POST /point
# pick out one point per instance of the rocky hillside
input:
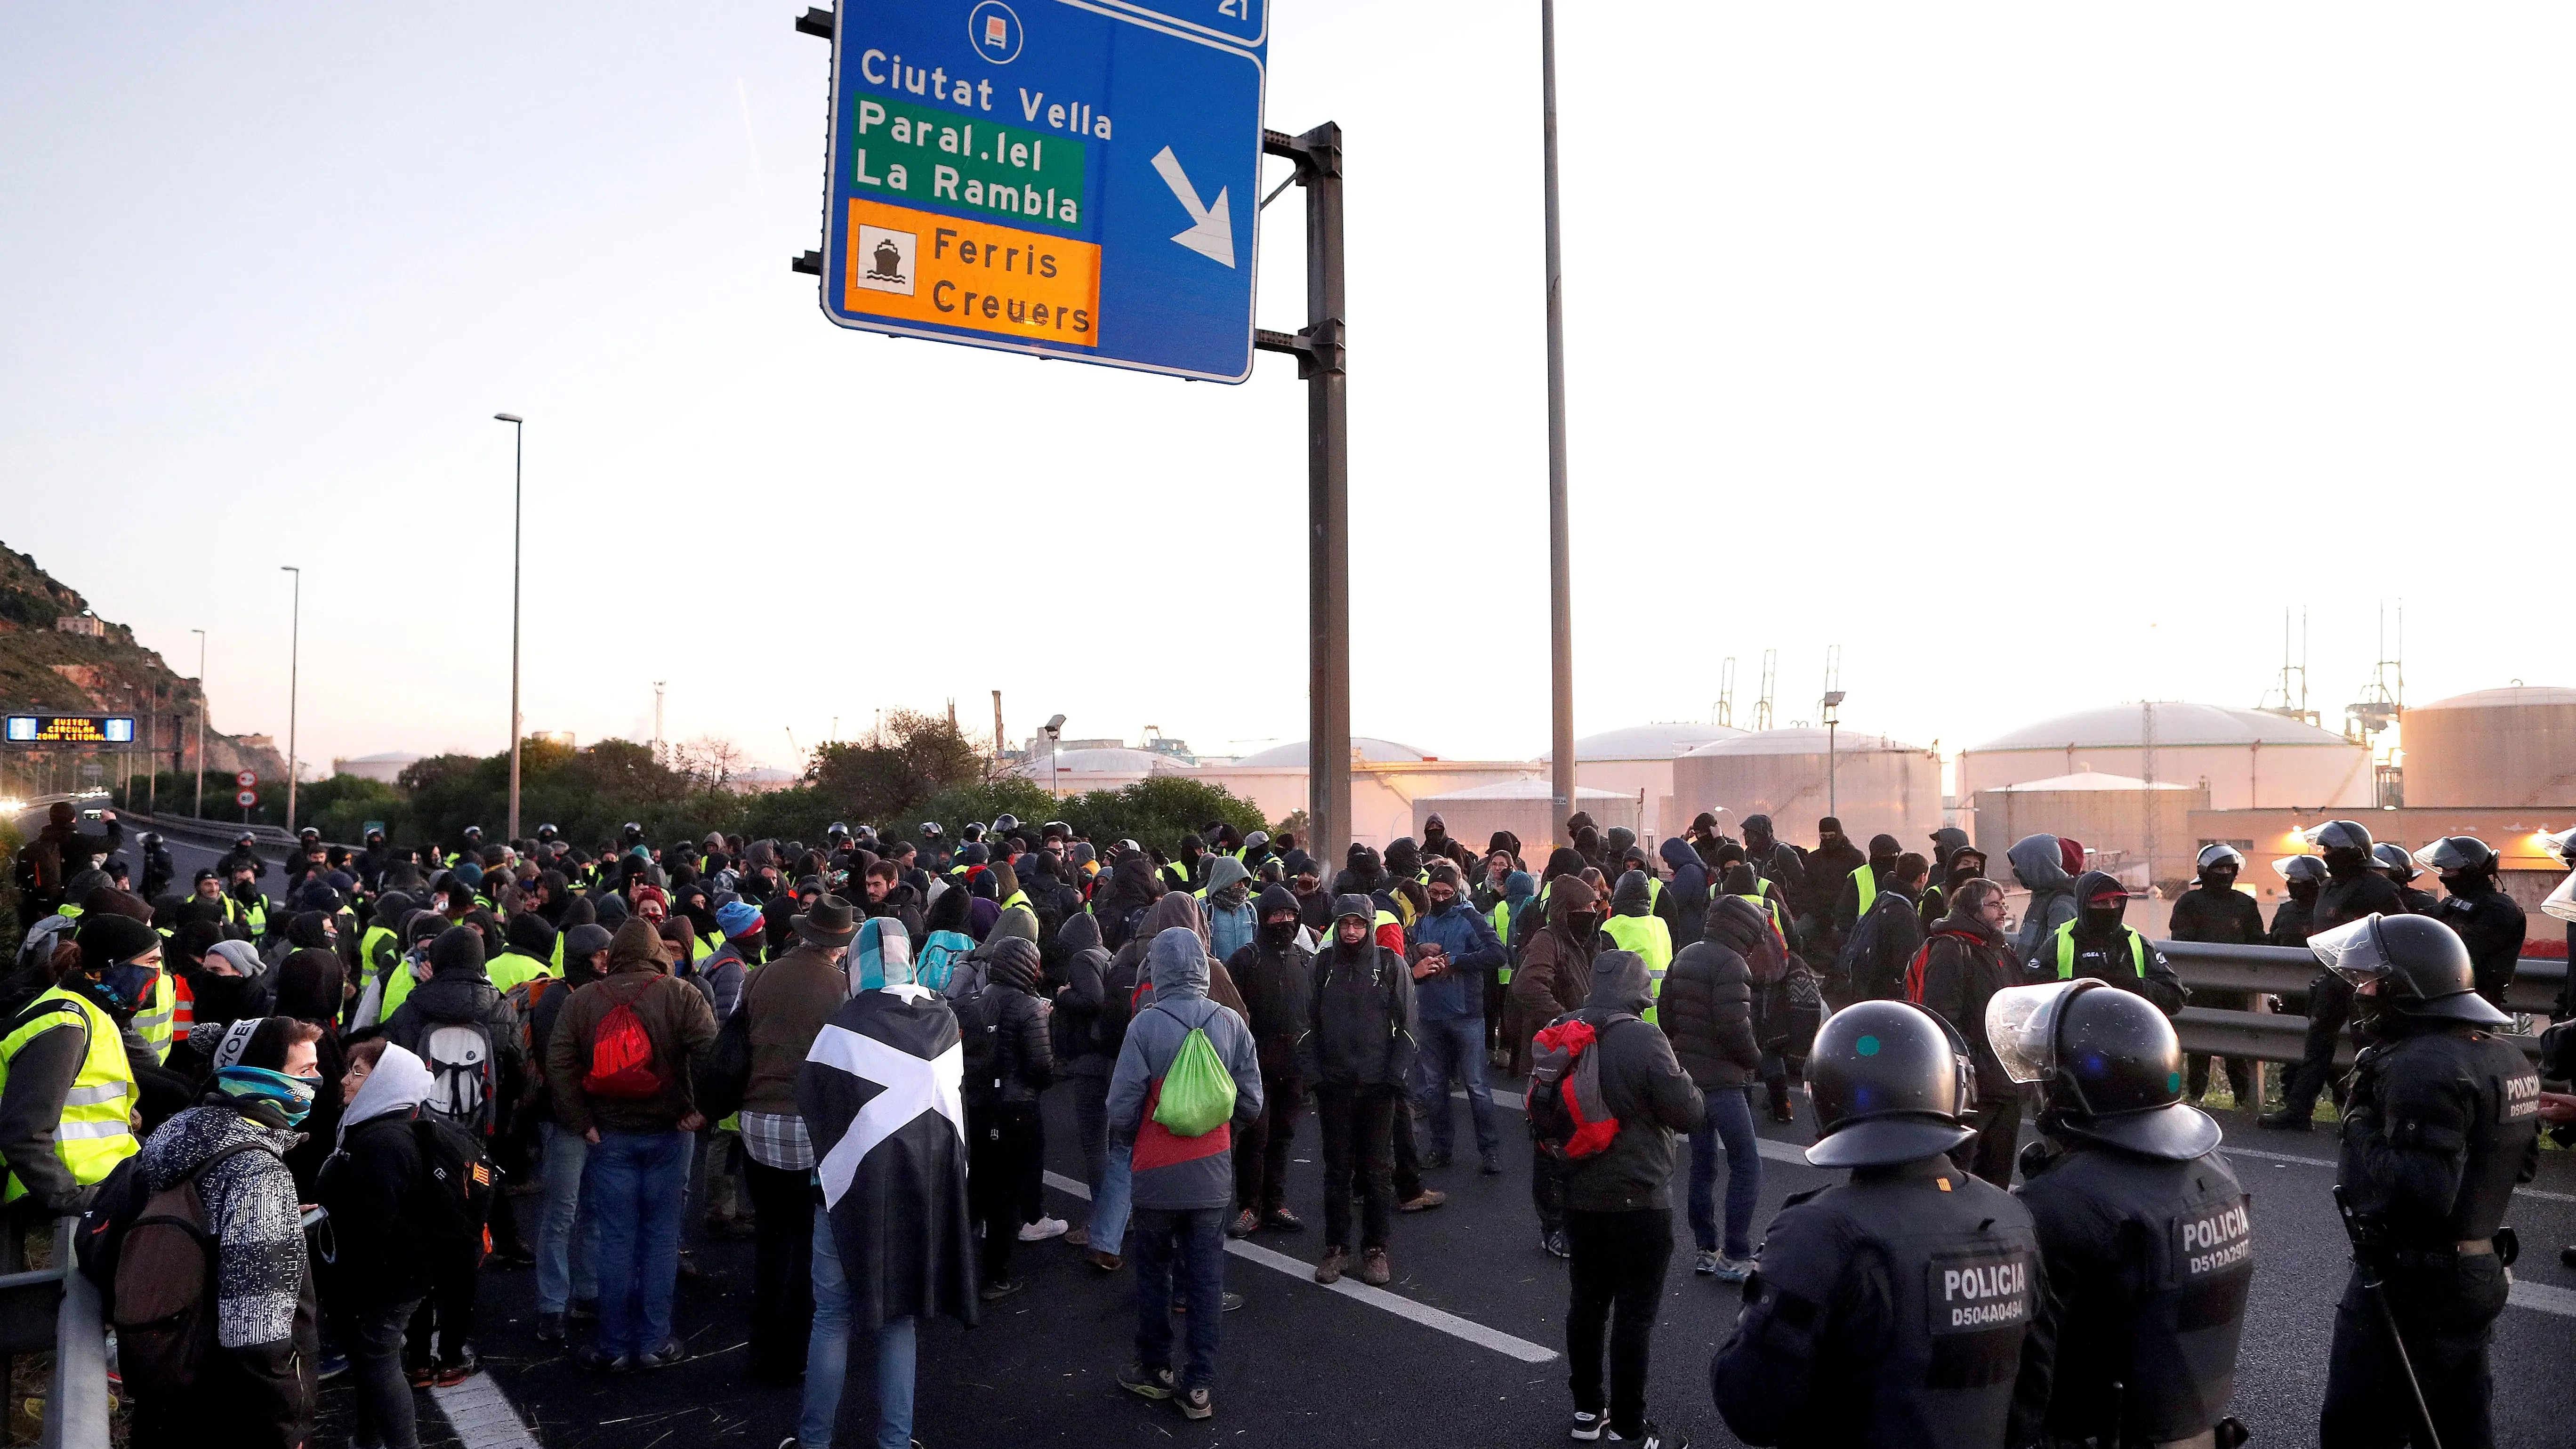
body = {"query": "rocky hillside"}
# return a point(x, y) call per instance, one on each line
point(47, 670)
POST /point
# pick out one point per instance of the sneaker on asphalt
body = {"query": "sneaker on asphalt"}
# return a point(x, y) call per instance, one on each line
point(1733, 1270)
point(1105, 1262)
point(996, 1292)
point(1492, 1166)
point(457, 1370)
point(1555, 1244)
point(1587, 1427)
point(331, 1367)
point(1649, 1437)
point(2283, 1122)
point(1329, 1270)
point(1423, 1201)
point(1195, 1404)
point(550, 1328)
point(1282, 1220)
point(1226, 1303)
point(1145, 1383)
point(1434, 1158)
point(671, 1352)
point(1079, 1237)
point(1374, 1270)
point(1705, 1262)
point(1245, 1224)
point(592, 1357)
point(1042, 1229)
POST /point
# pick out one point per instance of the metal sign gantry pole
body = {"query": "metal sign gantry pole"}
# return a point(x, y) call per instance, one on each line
point(1321, 356)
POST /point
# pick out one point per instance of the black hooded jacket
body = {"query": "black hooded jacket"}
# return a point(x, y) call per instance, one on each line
point(1275, 975)
point(1087, 1035)
point(2115, 954)
point(1707, 1007)
point(1023, 1058)
point(1644, 1087)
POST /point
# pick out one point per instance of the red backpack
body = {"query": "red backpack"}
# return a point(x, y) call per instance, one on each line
point(1569, 1118)
point(621, 1056)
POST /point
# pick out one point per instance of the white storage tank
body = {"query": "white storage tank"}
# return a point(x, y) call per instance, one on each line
point(1879, 785)
point(1638, 759)
point(2250, 758)
point(2496, 747)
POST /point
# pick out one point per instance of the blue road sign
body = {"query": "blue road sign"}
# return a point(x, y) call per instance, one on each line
point(1059, 177)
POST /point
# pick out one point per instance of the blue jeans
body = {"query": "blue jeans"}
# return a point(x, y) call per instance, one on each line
point(1183, 1251)
point(1730, 1119)
point(637, 1183)
point(568, 1236)
point(1455, 1049)
point(827, 1356)
point(1117, 1189)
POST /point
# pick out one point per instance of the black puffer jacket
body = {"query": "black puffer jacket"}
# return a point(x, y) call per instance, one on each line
point(1087, 1034)
point(1707, 1010)
point(1023, 1058)
point(1965, 962)
point(1359, 1014)
point(1274, 974)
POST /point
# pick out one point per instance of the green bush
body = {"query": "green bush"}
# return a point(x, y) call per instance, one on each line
point(1156, 812)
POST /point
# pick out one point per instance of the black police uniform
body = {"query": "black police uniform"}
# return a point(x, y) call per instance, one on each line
point(2341, 901)
point(2418, 903)
point(2224, 916)
point(2148, 1264)
point(1896, 1309)
point(2489, 923)
point(2442, 1121)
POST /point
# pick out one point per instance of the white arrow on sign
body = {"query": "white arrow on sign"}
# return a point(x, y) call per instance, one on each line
point(1211, 232)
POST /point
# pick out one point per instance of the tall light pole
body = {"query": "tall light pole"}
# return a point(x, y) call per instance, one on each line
point(294, 667)
point(1833, 722)
point(1560, 547)
point(200, 810)
point(518, 465)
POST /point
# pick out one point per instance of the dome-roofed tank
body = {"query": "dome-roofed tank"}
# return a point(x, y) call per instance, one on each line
point(2503, 747)
point(2250, 757)
point(1878, 784)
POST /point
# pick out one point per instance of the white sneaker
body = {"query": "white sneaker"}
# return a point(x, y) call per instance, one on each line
point(1587, 1427)
point(1042, 1229)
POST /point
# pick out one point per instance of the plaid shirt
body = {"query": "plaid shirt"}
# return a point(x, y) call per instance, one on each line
point(778, 1140)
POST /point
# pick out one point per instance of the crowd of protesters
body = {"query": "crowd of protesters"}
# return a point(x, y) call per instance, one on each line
point(585, 1062)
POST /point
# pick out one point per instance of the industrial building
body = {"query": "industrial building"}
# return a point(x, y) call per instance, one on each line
point(1526, 808)
point(1796, 776)
point(2137, 831)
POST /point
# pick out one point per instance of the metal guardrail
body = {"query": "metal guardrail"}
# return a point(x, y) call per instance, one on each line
point(2285, 972)
point(57, 1309)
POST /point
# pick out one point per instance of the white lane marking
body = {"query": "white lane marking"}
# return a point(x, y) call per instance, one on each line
point(1788, 1152)
point(2233, 1150)
point(2561, 1301)
point(1395, 1303)
point(482, 1416)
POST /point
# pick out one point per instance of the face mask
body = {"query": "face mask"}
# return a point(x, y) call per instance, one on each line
point(1277, 933)
point(291, 1097)
point(1962, 874)
point(2102, 920)
point(2219, 880)
point(124, 987)
point(2463, 884)
point(2304, 892)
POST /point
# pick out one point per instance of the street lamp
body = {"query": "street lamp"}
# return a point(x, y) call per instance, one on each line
point(518, 473)
point(294, 666)
point(1054, 731)
point(1560, 547)
point(200, 811)
point(1833, 709)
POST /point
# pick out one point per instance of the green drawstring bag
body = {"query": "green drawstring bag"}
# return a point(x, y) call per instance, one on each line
point(1198, 1092)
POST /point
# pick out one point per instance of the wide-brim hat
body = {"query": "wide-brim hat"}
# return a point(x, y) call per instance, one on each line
point(832, 922)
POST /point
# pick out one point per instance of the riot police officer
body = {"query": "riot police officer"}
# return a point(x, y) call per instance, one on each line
point(2147, 1236)
point(158, 867)
point(2441, 1122)
point(2400, 868)
point(2485, 918)
point(2302, 876)
point(1898, 1308)
point(2354, 888)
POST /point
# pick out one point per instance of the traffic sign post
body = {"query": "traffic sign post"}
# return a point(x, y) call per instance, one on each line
point(246, 779)
point(1057, 177)
point(246, 799)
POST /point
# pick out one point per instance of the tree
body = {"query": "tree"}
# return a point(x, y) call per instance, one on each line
point(1158, 811)
point(906, 760)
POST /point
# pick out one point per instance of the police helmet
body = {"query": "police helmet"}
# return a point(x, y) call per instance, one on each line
point(2342, 836)
point(2391, 857)
point(2108, 1060)
point(376, 836)
point(308, 833)
point(2213, 856)
point(2296, 868)
point(972, 832)
point(547, 833)
point(2562, 844)
point(2562, 901)
point(1057, 829)
point(1126, 847)
point(1889, 1081)
point(2458, 855)
point(631, 830)
point(930, 830)
point(474, 832)
point(1005, 823)
point(2419, 966)
point(244, 838)
point(151, 840)
point(836, 828)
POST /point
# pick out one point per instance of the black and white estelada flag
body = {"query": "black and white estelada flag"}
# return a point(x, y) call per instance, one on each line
point(881, 1096)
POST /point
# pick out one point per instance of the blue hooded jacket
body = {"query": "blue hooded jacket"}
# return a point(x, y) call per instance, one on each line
point(1688, 889)
point(1474, 952)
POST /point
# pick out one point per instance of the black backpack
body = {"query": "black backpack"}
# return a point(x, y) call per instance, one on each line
point(462, 1179)
point(979, 1029)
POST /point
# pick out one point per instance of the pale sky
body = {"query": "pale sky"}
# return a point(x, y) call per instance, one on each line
point(2038, 355)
